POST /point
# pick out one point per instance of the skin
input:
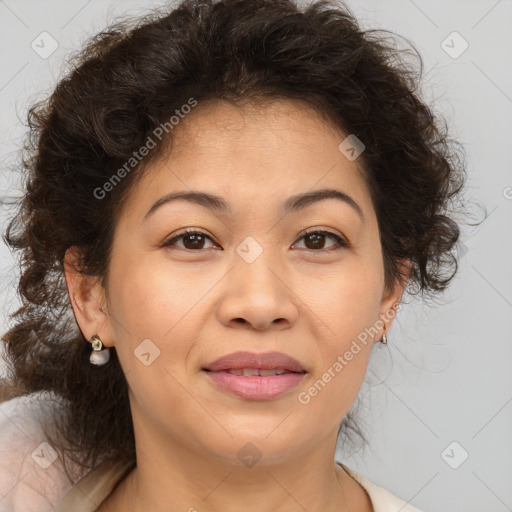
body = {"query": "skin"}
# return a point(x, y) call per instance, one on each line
point(196, 305)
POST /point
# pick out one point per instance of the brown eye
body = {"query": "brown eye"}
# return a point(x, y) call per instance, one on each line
point(192, 240)
point(315, 240)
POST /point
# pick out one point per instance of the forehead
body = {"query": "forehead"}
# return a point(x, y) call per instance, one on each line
point(257, 152)
point(285, 125)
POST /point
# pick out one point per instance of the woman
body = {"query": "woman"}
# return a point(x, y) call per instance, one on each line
point(227, 201)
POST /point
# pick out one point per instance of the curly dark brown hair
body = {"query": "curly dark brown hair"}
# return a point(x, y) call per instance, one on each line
point(128, 80)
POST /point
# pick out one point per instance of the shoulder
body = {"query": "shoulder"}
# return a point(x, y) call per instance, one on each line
point(32, 475)
point(382, 500)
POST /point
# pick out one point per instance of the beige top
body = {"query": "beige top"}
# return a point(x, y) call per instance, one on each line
point(94, 488)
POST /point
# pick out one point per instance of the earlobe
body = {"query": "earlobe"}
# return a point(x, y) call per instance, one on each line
point(87, 299)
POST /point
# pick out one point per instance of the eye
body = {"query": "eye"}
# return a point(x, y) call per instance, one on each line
point(192, 239)
point(315, 240)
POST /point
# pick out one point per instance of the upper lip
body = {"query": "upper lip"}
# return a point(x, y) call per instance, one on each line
point(262, 361)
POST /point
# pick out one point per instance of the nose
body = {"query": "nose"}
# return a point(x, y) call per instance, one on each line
point(258, 297)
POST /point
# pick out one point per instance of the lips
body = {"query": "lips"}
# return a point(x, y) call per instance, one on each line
point(256, 372)
point(255, 364)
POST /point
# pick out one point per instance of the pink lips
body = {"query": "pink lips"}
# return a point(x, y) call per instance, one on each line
point(258, 387)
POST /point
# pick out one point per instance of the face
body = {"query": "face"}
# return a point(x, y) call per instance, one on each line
point(306, 282)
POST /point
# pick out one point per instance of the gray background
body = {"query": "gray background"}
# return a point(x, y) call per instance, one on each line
point(445, 376)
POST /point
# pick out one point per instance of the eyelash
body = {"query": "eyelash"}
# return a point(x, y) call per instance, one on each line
point(343, 244)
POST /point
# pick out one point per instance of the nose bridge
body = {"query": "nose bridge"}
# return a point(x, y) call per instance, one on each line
point(256, 291)
point(257, 266)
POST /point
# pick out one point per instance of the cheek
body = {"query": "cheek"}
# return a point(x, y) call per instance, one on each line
point(346, 306)
point(155, 324)
point(330, 392)
point(347, 300)
point(151, 295)
point(152, 309)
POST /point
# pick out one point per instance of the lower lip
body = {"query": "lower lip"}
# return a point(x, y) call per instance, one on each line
point(255, 387)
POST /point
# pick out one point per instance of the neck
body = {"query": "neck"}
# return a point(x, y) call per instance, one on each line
point(312, 484)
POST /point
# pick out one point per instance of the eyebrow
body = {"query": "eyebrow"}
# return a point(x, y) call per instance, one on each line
point(292, 204)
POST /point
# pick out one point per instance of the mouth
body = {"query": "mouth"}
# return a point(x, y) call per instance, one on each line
point(254, 372)
point(252, 364)
point(255, 376)
point(255, 387)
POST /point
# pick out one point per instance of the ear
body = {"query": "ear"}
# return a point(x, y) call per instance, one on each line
point(391, 298)
point(88, 299)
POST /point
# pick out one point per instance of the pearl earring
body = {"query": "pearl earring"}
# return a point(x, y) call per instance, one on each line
point(384, 339)
point(98, 357)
